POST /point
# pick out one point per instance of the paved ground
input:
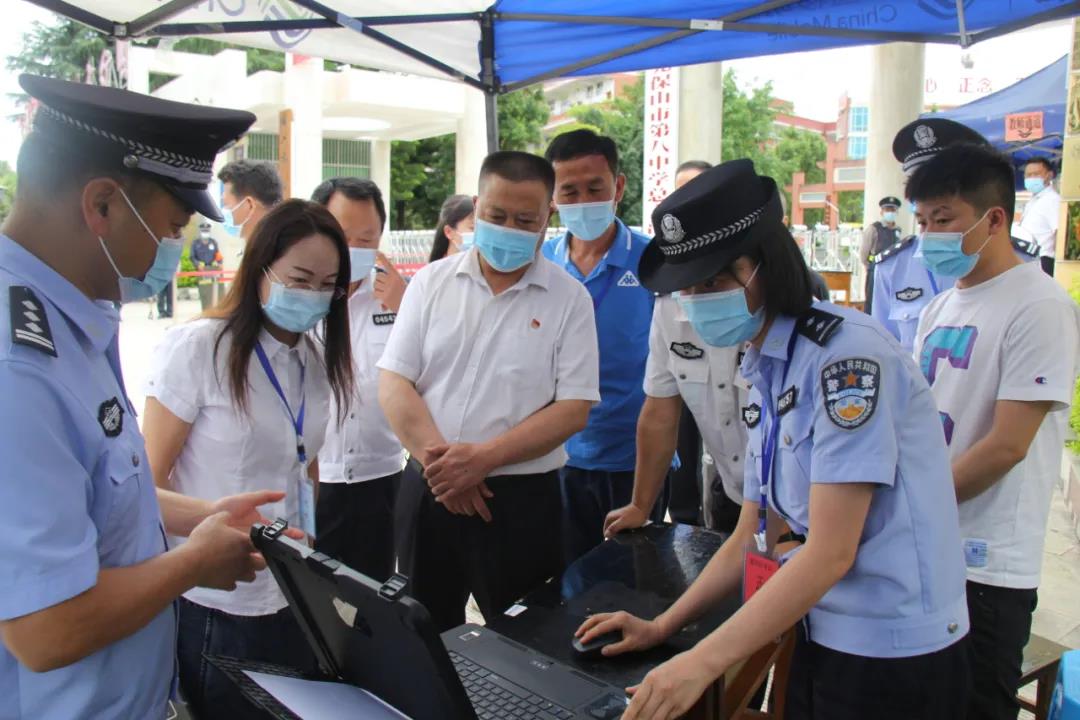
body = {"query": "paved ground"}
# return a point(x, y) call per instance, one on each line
point(1057, 617)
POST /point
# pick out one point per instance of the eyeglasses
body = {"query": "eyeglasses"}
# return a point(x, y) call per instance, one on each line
point(337, 293)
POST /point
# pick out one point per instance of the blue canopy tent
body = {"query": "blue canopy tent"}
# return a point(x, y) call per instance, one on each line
point(1042, 92)
point(510, 44)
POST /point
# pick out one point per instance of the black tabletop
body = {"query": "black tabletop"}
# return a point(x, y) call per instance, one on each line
point(641, 571)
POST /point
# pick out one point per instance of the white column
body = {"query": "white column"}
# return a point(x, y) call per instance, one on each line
point(896, 98)
point(471, 145)
point(304, 96)
point(701, 111)
point(380, 172)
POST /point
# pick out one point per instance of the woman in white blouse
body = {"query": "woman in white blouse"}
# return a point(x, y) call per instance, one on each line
point(240, 400)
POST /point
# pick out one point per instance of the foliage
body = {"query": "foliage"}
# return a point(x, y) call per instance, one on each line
point(522, 115)
point(186, 266)
point(7, 189)
point(1074, 412)
point(422, 172)
point(623, 120)
point(749, 132)
point(851, 207)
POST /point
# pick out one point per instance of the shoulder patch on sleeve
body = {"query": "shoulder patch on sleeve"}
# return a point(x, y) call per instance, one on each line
point(893, 249)
point(29, 323)
point(1025, 247)
point(850, 388)
point(819, 325)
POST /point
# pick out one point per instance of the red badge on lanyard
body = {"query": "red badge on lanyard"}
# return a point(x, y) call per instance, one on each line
point(757, 569)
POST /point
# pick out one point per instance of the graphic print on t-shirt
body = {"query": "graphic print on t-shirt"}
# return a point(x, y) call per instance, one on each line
point(953, 343)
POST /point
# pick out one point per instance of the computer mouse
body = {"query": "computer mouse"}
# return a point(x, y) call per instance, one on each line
point(591, 650)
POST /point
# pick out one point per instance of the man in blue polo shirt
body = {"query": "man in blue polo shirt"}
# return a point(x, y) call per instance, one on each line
point(603, 253)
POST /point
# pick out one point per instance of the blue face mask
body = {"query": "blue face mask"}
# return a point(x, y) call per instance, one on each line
point(588, 221)
point(468, 239)
point(230, 222)
point(361, 260)
point(505, 249)
point(722, 319)
point(1034, 185)
point(295, 309)
point(161, 271)
point(889, 216)
point(943, 252)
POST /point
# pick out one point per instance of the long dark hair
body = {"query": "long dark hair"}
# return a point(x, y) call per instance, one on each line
point(281, 228)
point(454, 210)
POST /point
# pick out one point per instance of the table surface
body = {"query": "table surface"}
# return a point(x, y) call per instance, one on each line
point(641, 571)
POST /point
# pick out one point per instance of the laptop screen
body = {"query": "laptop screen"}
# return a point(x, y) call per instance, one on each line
point(363, 633)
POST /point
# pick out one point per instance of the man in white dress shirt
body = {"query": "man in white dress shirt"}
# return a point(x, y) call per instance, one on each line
point(1041, 214)
point(361, 460)
point(492, 364)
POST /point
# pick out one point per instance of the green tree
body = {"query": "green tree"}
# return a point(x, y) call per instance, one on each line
point(851, 206)
point(59, 50)
point(623, 120)
point(522, 115)
point(7, 189)
point(422, 172)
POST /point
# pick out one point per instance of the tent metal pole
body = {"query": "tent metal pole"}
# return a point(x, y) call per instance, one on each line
point(240, 26)
point(489, 80)
point(77, 14)
point(358, 26)
point(156, 16)
point(673, 23)
point(961, 24)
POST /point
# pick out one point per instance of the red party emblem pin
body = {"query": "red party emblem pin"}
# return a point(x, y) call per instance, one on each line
point(535, 324)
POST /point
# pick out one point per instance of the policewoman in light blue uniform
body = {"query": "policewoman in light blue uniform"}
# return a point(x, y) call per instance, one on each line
point(843, 447)
point(903, 285)
point(107, 179)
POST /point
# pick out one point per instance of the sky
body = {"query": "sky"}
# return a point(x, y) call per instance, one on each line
point(814, 82)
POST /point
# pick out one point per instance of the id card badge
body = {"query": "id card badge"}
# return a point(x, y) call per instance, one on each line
point(758, 567)
point(306, 498)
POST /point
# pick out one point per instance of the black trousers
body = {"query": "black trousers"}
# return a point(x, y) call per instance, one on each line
point(210, 693)
point(1000, 628)
point(164, 302)
point(684, 502)
point(355, 524)
point(447, 556)
point(826, 684)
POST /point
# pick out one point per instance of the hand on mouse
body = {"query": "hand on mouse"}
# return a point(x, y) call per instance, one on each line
point(637, 634)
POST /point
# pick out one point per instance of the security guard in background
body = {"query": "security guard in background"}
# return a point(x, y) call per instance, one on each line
point(107, 181)
point(844, 447)
point(877, 236)
point(902, 283)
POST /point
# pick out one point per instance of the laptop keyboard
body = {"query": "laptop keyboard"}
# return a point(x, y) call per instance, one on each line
point(494, 697)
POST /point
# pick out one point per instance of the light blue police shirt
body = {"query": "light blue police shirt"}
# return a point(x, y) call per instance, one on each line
point(857, 409)
point(623, 316)
point(903, 286)
point(77, 494)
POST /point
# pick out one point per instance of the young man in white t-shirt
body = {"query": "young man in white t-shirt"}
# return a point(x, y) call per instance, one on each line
point(999, 351)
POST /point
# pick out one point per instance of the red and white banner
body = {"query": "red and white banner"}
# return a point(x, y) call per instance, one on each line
point(661, 155)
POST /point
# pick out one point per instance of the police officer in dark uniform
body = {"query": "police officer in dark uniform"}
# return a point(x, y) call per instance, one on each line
point(205, 255)
point(876, 237)
point(107, 181)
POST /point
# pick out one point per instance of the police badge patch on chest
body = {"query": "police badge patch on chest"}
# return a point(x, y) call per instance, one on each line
point(687, 351)
point(850, 388)
point(111, 417)
point(386, 318)
point(786, 401)
point(909, 293)
point(751, 415)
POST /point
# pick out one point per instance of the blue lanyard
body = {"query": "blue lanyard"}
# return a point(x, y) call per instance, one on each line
point(297, 420)
point(933, 282)
point(768, 442)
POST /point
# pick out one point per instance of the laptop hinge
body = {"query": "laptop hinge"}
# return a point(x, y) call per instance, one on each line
point(394, 588)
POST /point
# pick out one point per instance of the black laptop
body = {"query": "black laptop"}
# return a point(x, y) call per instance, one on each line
point(377, 638)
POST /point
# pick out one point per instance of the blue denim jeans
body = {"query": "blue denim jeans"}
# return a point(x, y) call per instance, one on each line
point(208, 692)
